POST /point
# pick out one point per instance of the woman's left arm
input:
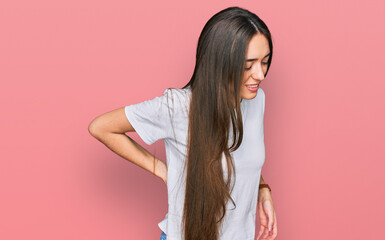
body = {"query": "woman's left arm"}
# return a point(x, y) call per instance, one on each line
point(267, 216)
point(261, 181)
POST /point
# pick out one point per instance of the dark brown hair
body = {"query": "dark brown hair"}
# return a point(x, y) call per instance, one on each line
point(220, 57)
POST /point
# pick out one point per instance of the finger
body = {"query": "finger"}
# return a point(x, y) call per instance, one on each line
point(275, 227)
point(266, 230)
point(262, 231)
point(263, 221)
point(269, 217)
point(265, 233)
point(273, 233)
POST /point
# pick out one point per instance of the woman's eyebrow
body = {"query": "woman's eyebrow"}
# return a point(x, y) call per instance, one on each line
point(253, 59)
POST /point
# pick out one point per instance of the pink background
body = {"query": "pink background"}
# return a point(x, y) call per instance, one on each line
point(62, 63)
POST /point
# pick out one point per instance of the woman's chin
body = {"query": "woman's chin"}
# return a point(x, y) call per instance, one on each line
point(249, 96)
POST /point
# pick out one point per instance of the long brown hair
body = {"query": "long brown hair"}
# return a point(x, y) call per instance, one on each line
point(220, 57)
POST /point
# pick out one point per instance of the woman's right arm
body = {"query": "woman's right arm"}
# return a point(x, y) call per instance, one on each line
point(110, 128)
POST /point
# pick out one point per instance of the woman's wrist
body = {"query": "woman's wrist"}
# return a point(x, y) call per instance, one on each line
point(160, 170)
point(264, 186)
point(264, 194)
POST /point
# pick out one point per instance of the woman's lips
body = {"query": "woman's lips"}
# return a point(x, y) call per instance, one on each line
point(252, 87)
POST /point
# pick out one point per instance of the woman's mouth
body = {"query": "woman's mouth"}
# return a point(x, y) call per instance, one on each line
point(253, 87)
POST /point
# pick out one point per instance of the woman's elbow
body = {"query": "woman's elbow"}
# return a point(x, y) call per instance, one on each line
point(94, 129)
point(114, 121)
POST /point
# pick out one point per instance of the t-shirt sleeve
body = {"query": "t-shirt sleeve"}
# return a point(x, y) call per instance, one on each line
point(151, 118)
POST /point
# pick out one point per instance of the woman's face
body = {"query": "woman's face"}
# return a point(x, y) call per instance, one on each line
point(255, 67)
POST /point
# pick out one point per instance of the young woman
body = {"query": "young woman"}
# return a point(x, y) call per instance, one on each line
point(213, 134)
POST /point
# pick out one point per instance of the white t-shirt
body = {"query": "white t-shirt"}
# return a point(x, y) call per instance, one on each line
point(166, 117)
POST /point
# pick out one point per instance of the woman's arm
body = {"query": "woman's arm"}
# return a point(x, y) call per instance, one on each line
point(267, 215)
point(110, 129)
point(264, 193)
point(261, 181)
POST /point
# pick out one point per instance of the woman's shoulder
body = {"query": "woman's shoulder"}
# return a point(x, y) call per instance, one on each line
point(181, 93)
point(177, 98)
point(178, 91)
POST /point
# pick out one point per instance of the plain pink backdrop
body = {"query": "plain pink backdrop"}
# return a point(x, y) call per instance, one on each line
point(62, 63)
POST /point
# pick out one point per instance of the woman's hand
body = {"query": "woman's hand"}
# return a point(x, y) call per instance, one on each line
point(267, 216)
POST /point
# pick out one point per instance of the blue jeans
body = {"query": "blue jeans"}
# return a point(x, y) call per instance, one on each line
point(163, 236)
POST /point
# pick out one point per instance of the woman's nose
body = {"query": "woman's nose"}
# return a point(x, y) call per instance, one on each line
point(258, 73)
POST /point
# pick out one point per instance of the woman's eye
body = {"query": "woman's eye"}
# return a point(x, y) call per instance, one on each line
point(263, 63)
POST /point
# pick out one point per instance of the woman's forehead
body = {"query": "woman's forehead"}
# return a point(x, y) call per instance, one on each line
point(258, 48)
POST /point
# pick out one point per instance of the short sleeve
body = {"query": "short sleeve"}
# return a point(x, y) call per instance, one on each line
point(151, 118)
